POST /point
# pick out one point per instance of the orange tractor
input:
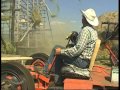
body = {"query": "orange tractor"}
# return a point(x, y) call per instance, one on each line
point(15, 76)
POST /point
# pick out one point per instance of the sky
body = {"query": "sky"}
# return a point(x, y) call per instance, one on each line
point(69, 11)
point(71, 8)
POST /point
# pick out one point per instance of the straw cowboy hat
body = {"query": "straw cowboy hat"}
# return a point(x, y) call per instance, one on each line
point(90, 16)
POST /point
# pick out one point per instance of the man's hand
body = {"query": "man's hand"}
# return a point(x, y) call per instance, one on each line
point(58, 51)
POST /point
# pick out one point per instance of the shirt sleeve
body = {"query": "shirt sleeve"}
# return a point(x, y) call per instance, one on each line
point(79, 47)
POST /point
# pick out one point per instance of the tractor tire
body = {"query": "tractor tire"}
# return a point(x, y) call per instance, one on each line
point(19, 77)
point(38, 58)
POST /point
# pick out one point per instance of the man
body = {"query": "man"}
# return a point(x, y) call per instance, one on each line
point(80, 54)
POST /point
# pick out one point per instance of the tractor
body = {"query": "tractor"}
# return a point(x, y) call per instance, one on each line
point(15, 76)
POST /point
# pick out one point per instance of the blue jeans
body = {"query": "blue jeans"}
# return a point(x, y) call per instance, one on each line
point(51, 57)
point(62, 60)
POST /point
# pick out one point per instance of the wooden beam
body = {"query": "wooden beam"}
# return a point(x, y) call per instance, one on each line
point(15, 58)
point(97, 45)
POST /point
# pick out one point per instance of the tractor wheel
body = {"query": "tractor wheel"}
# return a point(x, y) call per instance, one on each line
point(15, 76)
point(39, 59)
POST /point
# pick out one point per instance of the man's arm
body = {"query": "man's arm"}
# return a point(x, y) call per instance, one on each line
point(79, 47)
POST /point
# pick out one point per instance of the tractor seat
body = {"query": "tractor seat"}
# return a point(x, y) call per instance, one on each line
point(71, 71)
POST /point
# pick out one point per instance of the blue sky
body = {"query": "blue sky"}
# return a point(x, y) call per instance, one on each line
point(70, 9)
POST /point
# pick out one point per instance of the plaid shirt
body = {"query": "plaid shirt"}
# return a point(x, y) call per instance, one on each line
point(85, 44)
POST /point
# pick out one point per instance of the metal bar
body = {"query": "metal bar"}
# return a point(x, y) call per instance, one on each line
point(40, 30)
point(24, 2)
point(24, 12)
point(12, 24)
point(112, 35)
point(116, 59)
point(5, 1)
point(47, 7)
point(107, 32)
point(23, 7)
point(26, 32)
point(6, 10)
point(109, 22)
point(50, 25)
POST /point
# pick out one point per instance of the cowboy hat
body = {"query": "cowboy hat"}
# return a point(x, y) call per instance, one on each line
point(90, 16)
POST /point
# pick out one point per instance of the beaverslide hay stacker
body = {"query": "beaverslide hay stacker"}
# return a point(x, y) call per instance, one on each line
point(15, 76)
